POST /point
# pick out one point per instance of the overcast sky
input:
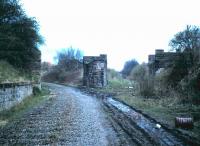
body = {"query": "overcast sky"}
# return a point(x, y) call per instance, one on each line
point(122, 29)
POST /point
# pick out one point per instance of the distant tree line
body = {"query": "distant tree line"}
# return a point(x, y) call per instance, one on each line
point(19, 35)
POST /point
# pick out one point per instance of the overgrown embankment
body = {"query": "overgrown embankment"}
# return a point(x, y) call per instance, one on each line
point(20, 58)
point(9, 74)
point(163, 110)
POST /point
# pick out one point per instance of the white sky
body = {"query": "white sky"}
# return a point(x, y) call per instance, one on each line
point(122, 29)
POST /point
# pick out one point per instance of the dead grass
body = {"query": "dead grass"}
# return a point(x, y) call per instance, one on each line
point(71, 78)
point(164, 110)
point(9, 74)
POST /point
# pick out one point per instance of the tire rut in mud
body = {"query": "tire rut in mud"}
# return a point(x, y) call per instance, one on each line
point(128, 132)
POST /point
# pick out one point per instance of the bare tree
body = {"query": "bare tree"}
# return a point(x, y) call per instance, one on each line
point(69, 59)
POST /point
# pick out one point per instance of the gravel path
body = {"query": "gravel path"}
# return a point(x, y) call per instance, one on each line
point(69, 118)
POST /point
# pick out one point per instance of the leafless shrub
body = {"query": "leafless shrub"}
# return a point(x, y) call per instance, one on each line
point(144, 82)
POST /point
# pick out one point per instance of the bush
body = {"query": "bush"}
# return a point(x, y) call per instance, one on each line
point(196, 98)
point(36, 91)
point(179, 70)
point(161, 86)
point(145, 82)
point(194, 87)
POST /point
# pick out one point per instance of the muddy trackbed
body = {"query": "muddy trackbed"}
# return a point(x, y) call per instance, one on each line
point(71, 117)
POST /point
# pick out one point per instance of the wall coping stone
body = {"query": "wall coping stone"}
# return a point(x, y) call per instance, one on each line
point(8, 85)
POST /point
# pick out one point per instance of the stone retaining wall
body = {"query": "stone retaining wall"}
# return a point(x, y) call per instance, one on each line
point(13, 93)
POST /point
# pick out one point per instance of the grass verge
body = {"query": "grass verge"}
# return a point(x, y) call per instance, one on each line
point(25, 105)
point(164, 110)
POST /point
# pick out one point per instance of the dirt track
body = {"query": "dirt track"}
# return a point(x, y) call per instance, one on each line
point(73, 118)
point(69, 118)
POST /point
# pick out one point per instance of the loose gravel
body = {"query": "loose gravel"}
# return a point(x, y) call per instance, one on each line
point(68, 118)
